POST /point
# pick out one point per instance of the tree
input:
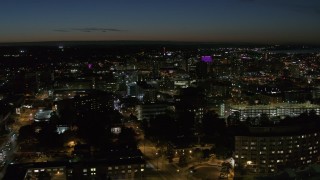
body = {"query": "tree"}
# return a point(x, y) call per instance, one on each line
point(67, 114)
point(182, 160)
point(94, 127)
point(48, 136)
point(43, 175)
point(234, 118)
point(212, 125)
point(26, 133)
point(250, 121)
point(198, 154)
point(170, 155)
point(54, 117)
point(264, 120)
point(206, 153)
point(186, 122)
point(163, 127)
point(133, 118)
point(127, 137)
point(227, 166)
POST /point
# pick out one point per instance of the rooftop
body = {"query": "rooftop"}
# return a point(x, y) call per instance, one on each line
point(43, 115)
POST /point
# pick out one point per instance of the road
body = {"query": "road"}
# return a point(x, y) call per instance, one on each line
point(9, 146)
point(206, 172)
point(162, 169)
point(8, 149)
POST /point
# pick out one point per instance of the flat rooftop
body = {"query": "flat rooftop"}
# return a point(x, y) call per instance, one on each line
point(43, 115)
point(276, 106)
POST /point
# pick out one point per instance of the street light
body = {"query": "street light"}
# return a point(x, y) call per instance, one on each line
point(157, 161)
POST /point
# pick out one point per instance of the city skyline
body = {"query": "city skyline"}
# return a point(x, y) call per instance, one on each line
point(127, 110)
point(252, 21)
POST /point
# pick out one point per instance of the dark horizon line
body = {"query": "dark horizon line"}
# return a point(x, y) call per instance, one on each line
point(132, 42)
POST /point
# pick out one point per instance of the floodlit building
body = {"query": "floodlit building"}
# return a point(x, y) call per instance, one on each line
point(43, 115)
point(284, 109)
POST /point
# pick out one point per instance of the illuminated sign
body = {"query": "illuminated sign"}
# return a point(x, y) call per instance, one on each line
point(206, 59)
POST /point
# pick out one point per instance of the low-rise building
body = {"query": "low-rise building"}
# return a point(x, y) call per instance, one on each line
point(43, 115)
point(282, 109)
point(148, 111)
point(115, 166)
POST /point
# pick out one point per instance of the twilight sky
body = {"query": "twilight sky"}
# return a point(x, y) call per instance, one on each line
point(264, 21)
